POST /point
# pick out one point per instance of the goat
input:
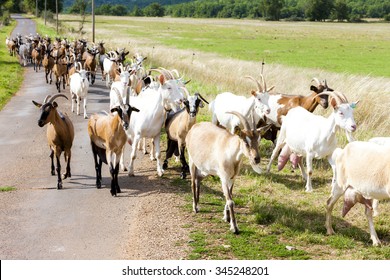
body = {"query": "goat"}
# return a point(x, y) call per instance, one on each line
point(24, 53)
point(314, 136)
point(60, 134)
point(79, 89)
point(36, 58)
point(110, 64)
point(212, 150)
point(11, 45)
point(101, 56)
point(60, 71)
point(48, 64)
point(107, 134)
point(148, 123)
point(89, 58)
point(255, 106)
point(362, 173)
point(280, 104)
point(177, 126)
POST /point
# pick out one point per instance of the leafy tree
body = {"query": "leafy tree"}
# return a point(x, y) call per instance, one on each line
point(79, 7)
point(341, 11)
point(154, 10)
point(29, 5)
point(118, 10)
point(272, 9)
point(319, 10)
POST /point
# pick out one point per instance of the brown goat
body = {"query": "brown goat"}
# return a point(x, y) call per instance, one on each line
point(60, 134)
point(107, 134)
point(60, 70)
point(48, 64)
point(89, 58)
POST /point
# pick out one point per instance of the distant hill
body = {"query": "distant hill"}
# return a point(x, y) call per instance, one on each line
point(130, 3)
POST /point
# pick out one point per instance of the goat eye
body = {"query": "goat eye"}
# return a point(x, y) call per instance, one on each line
point(341, 113)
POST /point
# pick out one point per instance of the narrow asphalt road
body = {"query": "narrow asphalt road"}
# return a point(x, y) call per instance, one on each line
point(37, 221)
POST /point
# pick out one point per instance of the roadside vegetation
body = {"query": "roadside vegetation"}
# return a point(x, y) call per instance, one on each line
point(11, 73)
point(277, 219)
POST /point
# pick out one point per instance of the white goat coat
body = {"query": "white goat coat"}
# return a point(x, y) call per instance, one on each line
point(227, 102)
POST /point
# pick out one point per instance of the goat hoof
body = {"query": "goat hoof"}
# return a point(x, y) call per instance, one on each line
point(53, 173)
point(98, 185)
point(165, 165)
point(59, 186)
point(113, 193)
point(183, 175)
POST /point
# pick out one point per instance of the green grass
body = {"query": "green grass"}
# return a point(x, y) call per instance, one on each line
point(7, 189)
point(11, 73)
point(336, 47)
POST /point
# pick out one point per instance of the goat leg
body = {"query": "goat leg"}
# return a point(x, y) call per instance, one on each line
point(52, 163)
point(59, 181)
point(184, 166)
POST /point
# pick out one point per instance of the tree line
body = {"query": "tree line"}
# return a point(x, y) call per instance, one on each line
point(314, 10)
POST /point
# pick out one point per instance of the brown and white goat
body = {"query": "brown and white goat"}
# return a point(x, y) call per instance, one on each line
point(107, 134)
point(60, 134)
point(213, 150)
point(280, 104)
point(48, 64)
point(177, 126)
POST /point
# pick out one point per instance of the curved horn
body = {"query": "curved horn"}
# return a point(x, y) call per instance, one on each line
point(80, 65)
point(244, 122)
point(186, 91)
point(339, 97)
point(316, 80)
point(201, 97)
point(55, 97)
point(46, 98)
point(118, 94)
point(256, 81)
point(264, 84)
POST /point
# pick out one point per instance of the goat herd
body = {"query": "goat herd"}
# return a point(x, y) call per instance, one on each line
point(141, 104)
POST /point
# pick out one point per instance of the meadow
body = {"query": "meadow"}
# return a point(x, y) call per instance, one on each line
point(11, 74)
point(277, 219)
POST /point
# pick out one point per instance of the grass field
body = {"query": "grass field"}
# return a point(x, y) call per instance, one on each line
point(11, 73)
point(273, 210)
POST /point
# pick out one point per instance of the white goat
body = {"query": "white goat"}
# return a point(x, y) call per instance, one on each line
point(255, 106)
point(79, 87)
point(314, 136)
point(148, 122)
point(122, 86)
point(362, 174)
point(212, 150)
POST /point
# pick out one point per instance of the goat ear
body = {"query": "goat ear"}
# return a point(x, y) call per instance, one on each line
point(161, 79)
point(55, 105)
point(115, 109)
point(134, 109)
point(253, 92)
point(333, 103)
point(37, 104)
point(314, 88)
point(201, 104)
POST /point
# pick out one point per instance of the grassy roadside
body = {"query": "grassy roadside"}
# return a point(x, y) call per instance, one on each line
point(11, 73)
point(277, 219)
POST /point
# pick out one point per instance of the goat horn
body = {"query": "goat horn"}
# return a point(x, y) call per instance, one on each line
point(316, 80)
point(55, 96)
point(339, 97)
point(46, 98)
point(201, 97)
point(128, 95)
point(264, 84)
point(118, 94)
point(256, 81)
point(244, 122)
point(186, 91)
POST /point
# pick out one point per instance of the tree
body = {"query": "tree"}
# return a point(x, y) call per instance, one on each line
point(154, 10)
point(29, 5)
point(319, 10)
point(341, 10)
point(272, 9)
point(79, 7)
point(118, 10)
